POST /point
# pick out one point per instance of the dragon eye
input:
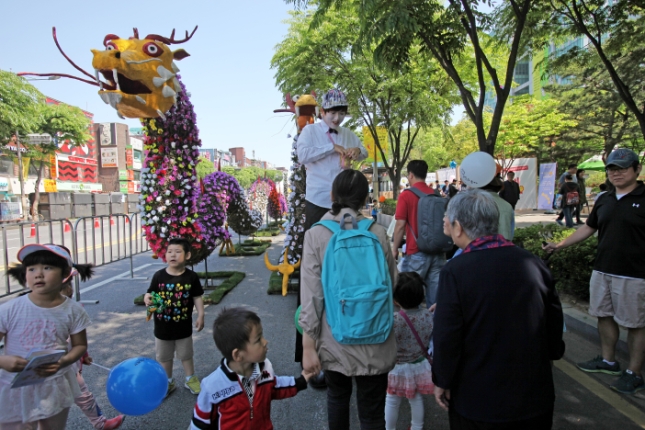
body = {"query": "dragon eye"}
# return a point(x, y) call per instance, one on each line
point(111, 47)
point(152, 49)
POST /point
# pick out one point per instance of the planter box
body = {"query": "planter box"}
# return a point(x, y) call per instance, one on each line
point(384, 220)
point(116, 208)
point(81, 198)
point(100, 199)
point(55, 198)
point(82, 210)
point(101, 209)
point(49, 211)
point(132, 198)
point(116, 197)
point(133, 207)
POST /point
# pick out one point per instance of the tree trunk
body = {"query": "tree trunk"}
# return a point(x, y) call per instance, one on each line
point(34, 206)
point(396, 180)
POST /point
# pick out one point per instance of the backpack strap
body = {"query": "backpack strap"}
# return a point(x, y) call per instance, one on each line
point(424, 349)
point(336, 226)
point(365, 224)
point(333, 226)
point(343, 222)
point(417, 192)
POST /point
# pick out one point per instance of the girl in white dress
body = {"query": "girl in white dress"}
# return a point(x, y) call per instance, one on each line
point(412, 374)
point(41, 320)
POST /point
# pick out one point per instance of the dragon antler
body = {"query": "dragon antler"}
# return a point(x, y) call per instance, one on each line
point(171, 40)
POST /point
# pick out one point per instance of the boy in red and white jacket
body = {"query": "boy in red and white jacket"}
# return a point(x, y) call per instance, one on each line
point(238, 394)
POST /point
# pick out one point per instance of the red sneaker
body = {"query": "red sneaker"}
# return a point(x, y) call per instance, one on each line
point(114, 423)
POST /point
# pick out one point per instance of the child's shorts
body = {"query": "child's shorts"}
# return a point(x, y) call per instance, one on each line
point(166, 349)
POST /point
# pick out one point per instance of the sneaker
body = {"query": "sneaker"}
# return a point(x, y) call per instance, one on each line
point(599, 365)
point(171, 387)
point(629, 383)
point(559, 221)
point(114, 423)
point(193, 385)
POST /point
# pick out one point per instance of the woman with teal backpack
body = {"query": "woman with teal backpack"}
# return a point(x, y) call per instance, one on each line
point(346, 315)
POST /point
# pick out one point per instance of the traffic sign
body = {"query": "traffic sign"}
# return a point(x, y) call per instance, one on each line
point(39, 139)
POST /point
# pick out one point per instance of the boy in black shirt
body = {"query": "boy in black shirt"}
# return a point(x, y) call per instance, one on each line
point(180, 289)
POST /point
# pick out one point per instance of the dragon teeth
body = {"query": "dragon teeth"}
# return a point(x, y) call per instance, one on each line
point(141, 99)
point(115, 74)
point(168, 92)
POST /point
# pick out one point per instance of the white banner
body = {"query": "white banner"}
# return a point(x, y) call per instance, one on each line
point(446, 174)
point(525, 170)
point(431, 178)
point(78, 186)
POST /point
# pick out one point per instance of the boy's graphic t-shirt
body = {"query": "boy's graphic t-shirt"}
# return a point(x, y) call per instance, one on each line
point(177, 292)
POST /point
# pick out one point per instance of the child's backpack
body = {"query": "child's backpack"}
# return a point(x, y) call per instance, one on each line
point(572, 197)
point(430, 211)
point(356, 284)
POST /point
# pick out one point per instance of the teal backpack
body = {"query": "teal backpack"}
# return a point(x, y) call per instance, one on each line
point(356, 284)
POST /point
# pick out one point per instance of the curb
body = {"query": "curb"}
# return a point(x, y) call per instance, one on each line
point(586, 326)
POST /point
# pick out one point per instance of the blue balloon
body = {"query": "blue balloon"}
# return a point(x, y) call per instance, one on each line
point(137, 386)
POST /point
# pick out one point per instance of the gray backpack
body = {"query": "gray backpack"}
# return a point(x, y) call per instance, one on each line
point(430, 211)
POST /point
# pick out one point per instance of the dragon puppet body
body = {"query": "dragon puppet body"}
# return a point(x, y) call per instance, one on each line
point(138, 78)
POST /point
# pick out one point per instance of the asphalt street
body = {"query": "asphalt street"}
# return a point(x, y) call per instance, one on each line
point(119, 331)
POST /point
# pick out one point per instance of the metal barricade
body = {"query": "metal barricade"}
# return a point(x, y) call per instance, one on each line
point(96, 240)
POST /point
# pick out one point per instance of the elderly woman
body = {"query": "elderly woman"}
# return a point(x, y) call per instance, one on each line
point(498, 323)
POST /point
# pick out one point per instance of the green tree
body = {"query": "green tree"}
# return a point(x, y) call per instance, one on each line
point(19, 106)
point(528, 124)
point(452, 32)
point(63, 123)
point(403, 101)
point(204, 167)
point(616, 34)
point(588, 94)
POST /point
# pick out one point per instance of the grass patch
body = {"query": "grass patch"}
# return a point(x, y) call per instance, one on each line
point(248, 247)
point(275, 283)
point(217, 293)
point(267, 232)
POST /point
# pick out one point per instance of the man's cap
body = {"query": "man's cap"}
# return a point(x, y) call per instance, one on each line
point(334, 98)
point(622, 157)
point(30, 249)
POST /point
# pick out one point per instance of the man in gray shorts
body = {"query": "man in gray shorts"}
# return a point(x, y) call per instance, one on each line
point(617, 285)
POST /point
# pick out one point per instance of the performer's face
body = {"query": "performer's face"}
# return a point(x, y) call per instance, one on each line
point(333, 118)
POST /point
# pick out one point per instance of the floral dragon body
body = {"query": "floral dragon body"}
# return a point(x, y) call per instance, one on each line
point(138, 78)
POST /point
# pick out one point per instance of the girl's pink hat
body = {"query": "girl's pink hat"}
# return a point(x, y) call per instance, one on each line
point(34, 247)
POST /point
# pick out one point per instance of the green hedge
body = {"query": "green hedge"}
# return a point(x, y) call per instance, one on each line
point(571, 267)
point(388, 207)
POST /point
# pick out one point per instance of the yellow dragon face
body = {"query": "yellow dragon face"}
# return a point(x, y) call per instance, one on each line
point(140, 74)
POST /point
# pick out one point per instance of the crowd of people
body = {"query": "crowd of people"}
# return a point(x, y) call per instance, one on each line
point(467, 316)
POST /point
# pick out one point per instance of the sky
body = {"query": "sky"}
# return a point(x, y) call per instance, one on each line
point(228, 73)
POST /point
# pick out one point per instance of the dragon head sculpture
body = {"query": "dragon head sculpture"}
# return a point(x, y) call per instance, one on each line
point(138, 74)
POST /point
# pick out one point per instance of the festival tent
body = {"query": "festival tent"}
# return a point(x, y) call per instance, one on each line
point(594, 163)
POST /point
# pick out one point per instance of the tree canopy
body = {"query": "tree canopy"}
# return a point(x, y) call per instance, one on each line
point(616, 34)
point(451, 32)
point(204, 167)
point(402, 101)
point(19, 106)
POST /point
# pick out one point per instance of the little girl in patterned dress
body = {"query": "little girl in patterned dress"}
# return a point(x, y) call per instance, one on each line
point(412, 375)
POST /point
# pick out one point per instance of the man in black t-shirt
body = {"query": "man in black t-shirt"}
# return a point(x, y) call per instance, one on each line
point(511, 190)
point(180, 290)
point(617, 285)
